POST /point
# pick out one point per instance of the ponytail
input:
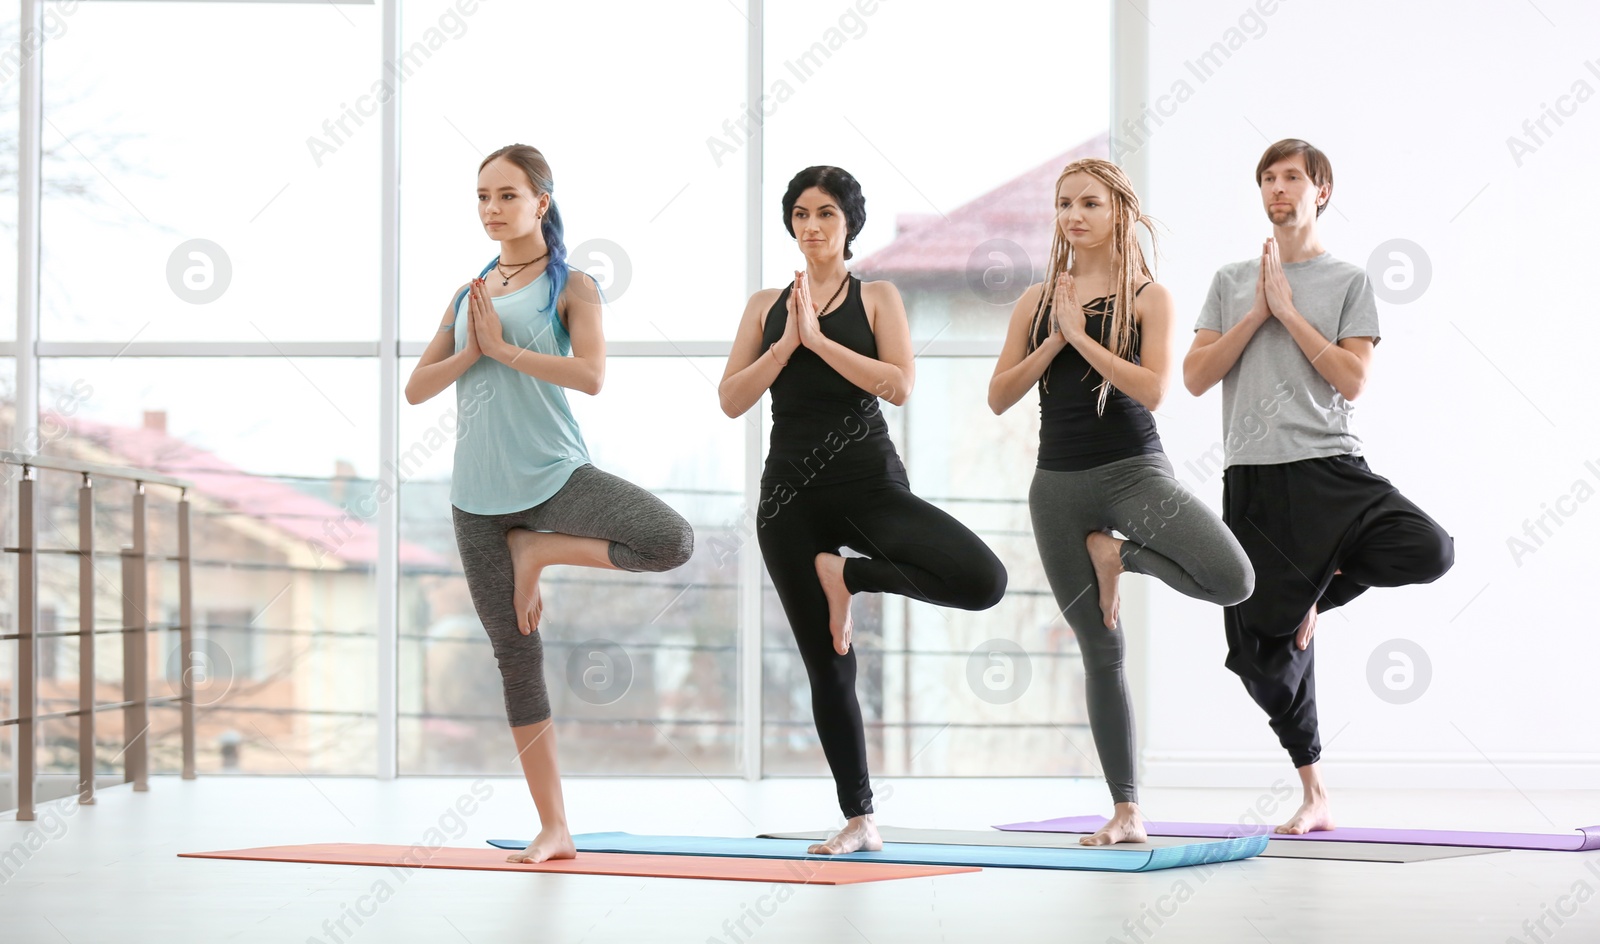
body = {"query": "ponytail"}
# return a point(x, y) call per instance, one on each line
point(555, 240)
point(537, 169)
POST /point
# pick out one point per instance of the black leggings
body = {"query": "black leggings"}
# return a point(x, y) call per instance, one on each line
point(915, 550)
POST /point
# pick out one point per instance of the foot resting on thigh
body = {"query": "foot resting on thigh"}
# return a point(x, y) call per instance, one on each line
point(527, 565)
point(1125, 825)
point(1105, 552)
point(1313, 816)
point(858, 833)
point(553, 842)
point(1308, 626)
point(830, 571)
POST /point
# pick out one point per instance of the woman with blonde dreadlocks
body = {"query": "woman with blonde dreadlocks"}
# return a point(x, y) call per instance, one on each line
point(1102, 366)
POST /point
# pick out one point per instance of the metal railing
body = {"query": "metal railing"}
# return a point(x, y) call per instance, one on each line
point(136, 627)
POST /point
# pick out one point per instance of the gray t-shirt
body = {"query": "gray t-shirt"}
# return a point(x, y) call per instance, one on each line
point(1275, 406)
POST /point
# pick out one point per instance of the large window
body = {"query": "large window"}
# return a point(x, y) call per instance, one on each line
point(955, 126)
point(210, 308)
point(622, 97)
point(204, 217)
point(238, 217)
point(283, 560)
point(641, 668)
point(217, 179)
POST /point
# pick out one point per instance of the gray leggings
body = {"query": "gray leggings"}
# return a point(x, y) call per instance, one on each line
point(645, 535)
point(1171, 535)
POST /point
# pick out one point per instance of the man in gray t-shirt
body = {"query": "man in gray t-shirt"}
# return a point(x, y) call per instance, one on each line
point(1275, 406)
point(1290, 336)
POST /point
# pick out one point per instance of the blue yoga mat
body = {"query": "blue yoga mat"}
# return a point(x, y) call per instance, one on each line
point(908, 853)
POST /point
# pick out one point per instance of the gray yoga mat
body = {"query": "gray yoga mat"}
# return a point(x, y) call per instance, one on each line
point(1279, 849)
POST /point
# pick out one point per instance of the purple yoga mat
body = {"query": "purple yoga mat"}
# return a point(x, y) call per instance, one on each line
point(1582, 840)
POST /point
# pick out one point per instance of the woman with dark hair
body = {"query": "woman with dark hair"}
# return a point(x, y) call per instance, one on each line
point(833, 478)
point(523, 494)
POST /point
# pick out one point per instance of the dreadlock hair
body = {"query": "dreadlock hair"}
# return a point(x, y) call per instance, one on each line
point(1127, 261)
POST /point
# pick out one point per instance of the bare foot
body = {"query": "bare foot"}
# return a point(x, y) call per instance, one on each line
point(1308, 628)
point(1105, 552)
point(830, 571)
point(1125, 825)
point(527, 566)
point(1313, 816)
point(553, 842)
point(858, 833)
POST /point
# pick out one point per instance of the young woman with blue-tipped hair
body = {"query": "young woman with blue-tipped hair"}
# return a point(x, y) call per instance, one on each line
point(524, 495)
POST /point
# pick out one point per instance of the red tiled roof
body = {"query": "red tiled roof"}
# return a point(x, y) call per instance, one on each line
point(1018, 210)
point(303, 518)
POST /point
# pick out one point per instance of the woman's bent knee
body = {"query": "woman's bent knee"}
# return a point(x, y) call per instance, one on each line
point(672, 548)
point(682, 548)
point(1240, 583)
point(664, 548)
point(987, 587)
point(992, 588)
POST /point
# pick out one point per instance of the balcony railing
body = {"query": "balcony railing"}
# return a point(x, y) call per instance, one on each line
point(135, 627)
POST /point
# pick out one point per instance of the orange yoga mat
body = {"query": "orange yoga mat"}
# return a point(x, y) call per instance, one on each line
point(718, 868)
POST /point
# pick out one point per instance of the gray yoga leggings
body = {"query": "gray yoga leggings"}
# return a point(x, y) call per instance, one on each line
point(1171, 535)
point(645, 535)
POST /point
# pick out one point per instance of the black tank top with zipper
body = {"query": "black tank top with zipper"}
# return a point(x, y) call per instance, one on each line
point(825, 429)
point(1072, 436)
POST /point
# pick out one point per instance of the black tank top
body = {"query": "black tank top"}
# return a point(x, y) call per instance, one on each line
point(826, 429)
point(1072, 437)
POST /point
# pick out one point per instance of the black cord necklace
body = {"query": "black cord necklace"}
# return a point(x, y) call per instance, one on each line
point(508, 278)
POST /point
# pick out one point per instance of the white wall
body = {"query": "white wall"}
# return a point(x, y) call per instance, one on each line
point(1481, 407)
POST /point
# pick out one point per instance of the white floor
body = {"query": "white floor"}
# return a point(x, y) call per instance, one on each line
point(110, 873)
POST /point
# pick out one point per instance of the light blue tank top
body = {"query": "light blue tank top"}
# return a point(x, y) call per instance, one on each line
point(516, 439)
